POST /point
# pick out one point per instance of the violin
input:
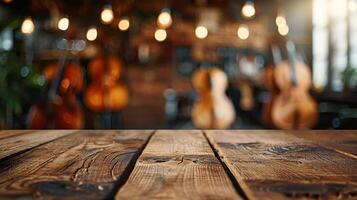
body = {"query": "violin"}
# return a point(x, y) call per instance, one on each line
point(106, 92)
point(213, 109)
point(62, 109)
point(293, 107)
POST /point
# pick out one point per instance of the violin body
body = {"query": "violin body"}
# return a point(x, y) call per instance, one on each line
point(293, 108)
point(213, 109)
point(106, 92)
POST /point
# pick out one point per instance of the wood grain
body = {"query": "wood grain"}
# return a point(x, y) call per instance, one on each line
point(178, 165)
point(341, 141)
point(274, 165)
point(84, 165)
point(11, 133)
point(12, 142)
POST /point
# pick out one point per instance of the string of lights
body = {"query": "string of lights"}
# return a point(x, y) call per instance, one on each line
point(164, 21)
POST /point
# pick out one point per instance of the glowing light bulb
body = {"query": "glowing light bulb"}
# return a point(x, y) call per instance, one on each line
point(201, 32)
point(164, 20)
point(248, 9)
point(107, 14)
point(280, 20)
point(7, 1)
point(243, 32)
point(92, 34)
point(160, 35)
point(27, 26)
point(283, 30)
point(63, 24)
point(124, 24)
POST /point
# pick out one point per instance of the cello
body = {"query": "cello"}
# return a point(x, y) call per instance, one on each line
point(293, 108)
point(62, 109)
point(106, 92)
point(213, 109)
point(271, 87)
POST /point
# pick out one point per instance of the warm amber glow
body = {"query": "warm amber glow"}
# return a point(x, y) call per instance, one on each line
point(107, 15)
point(164, 20)
point(27, 26)
point(201, 32)
point(92, 34)
point(283, 30)
point(160, 35)
point(7, 1)
point(280, 20)
point(65, 83)
point(248, 9)
point(124, 24)
point(63, 24)
point(243, 32)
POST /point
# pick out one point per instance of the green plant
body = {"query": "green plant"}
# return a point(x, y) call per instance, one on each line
point(349, 77)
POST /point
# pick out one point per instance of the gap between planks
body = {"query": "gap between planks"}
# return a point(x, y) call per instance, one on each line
point(126, 173)
point(269, 165)
point(230, 175)
point(178, 165)
point(72, 165)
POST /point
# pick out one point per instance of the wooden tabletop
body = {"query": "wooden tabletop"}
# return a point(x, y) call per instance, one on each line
point(185, 164)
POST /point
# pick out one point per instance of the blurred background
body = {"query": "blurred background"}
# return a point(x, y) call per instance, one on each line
point(179, 64)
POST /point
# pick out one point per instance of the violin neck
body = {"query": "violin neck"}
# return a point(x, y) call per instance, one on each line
point(292, 61)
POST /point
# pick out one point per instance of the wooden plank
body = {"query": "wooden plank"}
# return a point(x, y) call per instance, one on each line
point(16, 141)
point(341, 141)
point(11, 133)
point(274, 165)
point(84, 165)
point(178, 165)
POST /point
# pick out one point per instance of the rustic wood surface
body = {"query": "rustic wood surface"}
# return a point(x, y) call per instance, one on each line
point(12, 142)
point(274, 165)
point(140, 164)
point(83, 165)
point(343, 141)
point(178, 165)
point(11, 133)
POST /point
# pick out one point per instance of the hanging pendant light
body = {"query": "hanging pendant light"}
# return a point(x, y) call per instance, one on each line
point(164, 20)
point(92, 34)
point(107, 14)
point(248, 9)
point(201, 32)
point(27, 26)
point(243, 32)
point(63, 24)
point(280, 19)
point(160, 35)
point(124, 24)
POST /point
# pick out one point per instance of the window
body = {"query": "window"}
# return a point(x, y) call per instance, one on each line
point(334, 41)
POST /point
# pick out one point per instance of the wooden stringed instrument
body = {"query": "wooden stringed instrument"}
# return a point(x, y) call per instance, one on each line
point(247, 76)
point(213, 109)
point(62, 109)
point(271, 87)
point(293, 108)
point(106, 92)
